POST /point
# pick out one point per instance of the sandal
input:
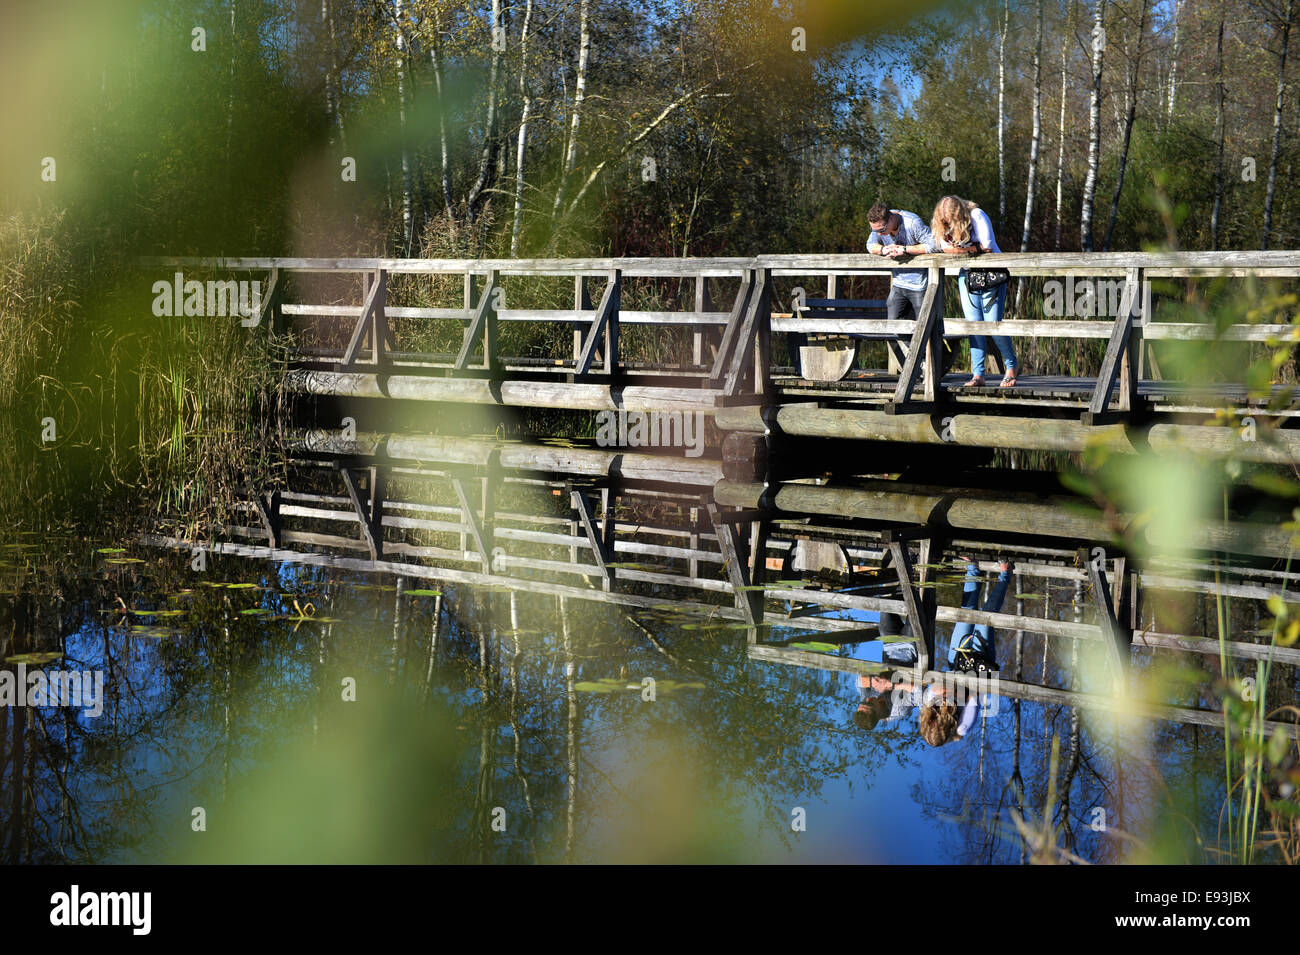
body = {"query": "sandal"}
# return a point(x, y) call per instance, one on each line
point(1010, 378)
point(977, 381)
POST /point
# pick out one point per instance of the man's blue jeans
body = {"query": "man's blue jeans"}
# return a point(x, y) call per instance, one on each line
point(986, 307)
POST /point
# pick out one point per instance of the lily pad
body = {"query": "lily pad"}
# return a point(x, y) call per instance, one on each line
point(607, 685)
point(35, 658)
point(671, 686)
point(150, 630)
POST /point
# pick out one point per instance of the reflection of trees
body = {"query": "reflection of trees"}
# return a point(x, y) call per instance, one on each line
point(1149, 778)
point(192, 718)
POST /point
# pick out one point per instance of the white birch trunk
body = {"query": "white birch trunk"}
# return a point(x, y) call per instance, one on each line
point(1060, 135)
point(435, 59)
point(523, 131)
point(1173, 63)
point(1094, 128)
point(575, 120)
point(408, 219)
point(1036, 133)
point(1002, 92)
point(1220, 133)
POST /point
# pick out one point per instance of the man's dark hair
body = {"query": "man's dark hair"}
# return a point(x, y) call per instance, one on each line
point(870, 713)
point(880, 212)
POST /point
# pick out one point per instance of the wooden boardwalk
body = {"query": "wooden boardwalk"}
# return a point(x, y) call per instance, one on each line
point(1171, 395)
point(707, 346)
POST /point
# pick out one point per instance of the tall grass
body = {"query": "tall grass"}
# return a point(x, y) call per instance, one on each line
point(149, 411)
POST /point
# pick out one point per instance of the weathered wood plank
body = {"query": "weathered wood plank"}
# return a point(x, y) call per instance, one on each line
point(1162, 264)
point(479, 326)
point(605, 325)
point(922, 330)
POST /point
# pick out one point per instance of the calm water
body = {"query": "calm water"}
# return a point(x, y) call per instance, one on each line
point(306, 703)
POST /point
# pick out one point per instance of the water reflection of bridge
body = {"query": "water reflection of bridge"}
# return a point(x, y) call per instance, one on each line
point(647, 533)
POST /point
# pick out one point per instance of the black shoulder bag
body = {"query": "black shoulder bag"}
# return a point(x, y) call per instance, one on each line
point(986, 280)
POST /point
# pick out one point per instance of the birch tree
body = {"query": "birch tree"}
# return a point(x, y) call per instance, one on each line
point(435, 62)
point(1035, 134)
point(1066, 31)
point(333, 80)
point(408, 219)
point(575, 119)
point(520, 148)
point(1034, 139)
point(1002, 121)
point(1094, 127)
point(1173, 62)
point(491, 144)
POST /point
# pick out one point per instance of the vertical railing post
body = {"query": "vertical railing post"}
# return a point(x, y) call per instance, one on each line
point(763, 338)
point(1118, 365)
point(581, 303)
point(934, 344)
point(611, 324)
point(378, 317)
point(491, 289)
point(703, 303)
point(1130, 363)
point(271, 303)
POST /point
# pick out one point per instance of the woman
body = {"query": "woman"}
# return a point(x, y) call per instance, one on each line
point(940, 721)
point(960, 227)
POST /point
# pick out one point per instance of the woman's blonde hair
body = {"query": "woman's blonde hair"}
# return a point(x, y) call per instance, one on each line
point(938, 722)
point(952, 218)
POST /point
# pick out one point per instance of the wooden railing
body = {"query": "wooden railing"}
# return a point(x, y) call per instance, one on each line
point(733, 367)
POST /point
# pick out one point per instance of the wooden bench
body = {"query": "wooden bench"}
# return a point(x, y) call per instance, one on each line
point(829, 357)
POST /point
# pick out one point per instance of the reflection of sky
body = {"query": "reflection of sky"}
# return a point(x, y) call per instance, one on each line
point(874, 796)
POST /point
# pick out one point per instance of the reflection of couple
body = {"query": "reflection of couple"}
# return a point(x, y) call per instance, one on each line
point(972, 645)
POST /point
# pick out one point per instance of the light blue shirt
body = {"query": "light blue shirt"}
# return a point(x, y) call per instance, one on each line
point(912, 232)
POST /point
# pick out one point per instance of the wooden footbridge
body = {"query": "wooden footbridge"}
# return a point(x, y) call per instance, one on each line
point(702, 534)
point(700, 338)
point(680, 541)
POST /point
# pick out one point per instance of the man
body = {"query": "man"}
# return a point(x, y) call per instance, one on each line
point(898, 234)
point(883, 700)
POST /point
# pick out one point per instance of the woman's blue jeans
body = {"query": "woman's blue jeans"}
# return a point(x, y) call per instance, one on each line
point(981, 635)
point(986, 307)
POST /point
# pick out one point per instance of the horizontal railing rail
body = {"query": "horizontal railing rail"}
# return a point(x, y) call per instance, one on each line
point(1278, 263)
point(730, 350)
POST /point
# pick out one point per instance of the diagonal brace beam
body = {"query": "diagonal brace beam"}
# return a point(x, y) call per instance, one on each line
point(480, 326)
point(605, 324)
